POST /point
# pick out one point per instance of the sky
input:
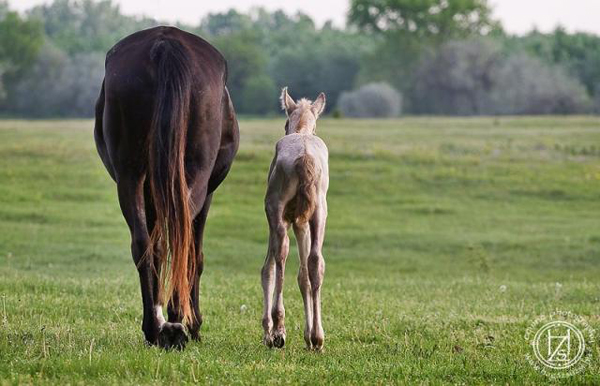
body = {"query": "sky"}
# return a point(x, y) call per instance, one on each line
point(517, 16)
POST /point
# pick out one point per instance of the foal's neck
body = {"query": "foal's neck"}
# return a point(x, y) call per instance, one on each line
point(303, 130)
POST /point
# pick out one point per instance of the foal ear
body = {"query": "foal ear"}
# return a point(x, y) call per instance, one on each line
point(319, 105)
point(287, 103)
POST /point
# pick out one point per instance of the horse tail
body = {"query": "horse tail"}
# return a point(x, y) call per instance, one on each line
point(172, 235)
point(306, 196)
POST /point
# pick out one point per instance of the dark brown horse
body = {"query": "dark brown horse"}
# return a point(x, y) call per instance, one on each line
point(167, 134)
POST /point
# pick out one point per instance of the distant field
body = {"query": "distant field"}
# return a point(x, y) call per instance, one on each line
point(428, 219)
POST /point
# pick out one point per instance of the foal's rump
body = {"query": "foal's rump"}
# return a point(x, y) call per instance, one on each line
point(297, 175)
point(306, 194)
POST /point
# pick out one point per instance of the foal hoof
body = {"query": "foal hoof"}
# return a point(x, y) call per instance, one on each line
point(279, 339)
point(317, 342)
point(172, 336)
point(268, 340)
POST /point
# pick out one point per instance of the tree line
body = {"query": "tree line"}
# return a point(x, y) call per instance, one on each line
point(394, 56)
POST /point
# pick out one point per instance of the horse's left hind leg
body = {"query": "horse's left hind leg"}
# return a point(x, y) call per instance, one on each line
point(272, 278)
point(156, 331)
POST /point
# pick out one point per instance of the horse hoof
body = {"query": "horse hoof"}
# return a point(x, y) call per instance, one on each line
point(172, 336)
point(317, 343)
point(279, 339)
point(268, 340)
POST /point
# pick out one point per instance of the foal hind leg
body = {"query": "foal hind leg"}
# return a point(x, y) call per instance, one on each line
point(302, 232)
point(282, 247)
point(268, 285)
point(272, 278)
point(316, 272)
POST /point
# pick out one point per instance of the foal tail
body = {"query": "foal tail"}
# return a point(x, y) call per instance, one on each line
point(172, 236)
point(306, 197)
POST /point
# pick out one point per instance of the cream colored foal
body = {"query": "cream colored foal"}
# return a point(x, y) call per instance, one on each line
point(296, 196)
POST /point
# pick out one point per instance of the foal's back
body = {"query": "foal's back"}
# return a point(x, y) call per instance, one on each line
point(294, 147)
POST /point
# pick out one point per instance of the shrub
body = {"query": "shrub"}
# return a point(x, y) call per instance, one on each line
point(525, 85)
point(475, 77)
point(457, 78)
point(373, 100)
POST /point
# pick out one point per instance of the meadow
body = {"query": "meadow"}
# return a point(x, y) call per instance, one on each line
point(446, 238)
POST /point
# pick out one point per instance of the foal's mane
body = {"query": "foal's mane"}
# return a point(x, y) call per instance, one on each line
point(303, 104)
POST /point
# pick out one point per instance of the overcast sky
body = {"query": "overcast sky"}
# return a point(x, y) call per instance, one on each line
point(517, 16)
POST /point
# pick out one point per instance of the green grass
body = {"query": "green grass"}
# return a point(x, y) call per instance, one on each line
point(427, 219)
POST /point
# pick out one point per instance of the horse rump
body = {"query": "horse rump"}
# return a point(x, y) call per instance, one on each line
point(306, 196)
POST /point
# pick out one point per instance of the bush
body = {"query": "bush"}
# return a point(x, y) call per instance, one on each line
point(525, 85)
point(457, 78)
point(474, 77)
point(373, 100)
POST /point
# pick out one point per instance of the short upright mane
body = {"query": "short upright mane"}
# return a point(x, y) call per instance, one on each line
point(302, 103)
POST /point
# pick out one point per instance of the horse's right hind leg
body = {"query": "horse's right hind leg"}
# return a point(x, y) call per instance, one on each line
point(198, 224)
point(156, 330)
point(316, 271)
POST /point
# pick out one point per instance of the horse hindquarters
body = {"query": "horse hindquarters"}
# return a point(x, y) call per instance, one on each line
point(143, 121)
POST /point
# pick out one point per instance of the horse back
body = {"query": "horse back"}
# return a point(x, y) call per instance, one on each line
point(130, 86)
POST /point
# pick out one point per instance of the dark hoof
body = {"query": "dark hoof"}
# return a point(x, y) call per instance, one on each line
point(195, 335)
point(279, 339)
point(268, 340)
point(194, 329)
point(172, 336)
point(317, 342)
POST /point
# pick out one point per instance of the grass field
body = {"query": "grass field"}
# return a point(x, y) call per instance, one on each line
point(446, 239)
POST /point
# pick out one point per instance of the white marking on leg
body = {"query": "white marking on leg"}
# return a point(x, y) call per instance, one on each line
point(159, 315)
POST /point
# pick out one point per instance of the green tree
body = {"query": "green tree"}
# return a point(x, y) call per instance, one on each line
point(330, 64)
point(578, 53)
point(20, 42)
point(230, 22)
point(85, 25)
point(259, 96)
point(245, 59)
point(438, 19)
point(408, 28)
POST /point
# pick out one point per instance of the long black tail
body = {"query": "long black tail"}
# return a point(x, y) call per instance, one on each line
point(173, 231)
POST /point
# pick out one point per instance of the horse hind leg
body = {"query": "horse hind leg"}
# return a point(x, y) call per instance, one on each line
point(302, 232)
point(268, 285)
point(131, 199)
point(169, 334)
point(273, 276)
point(199, 223)
point(316, 272)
